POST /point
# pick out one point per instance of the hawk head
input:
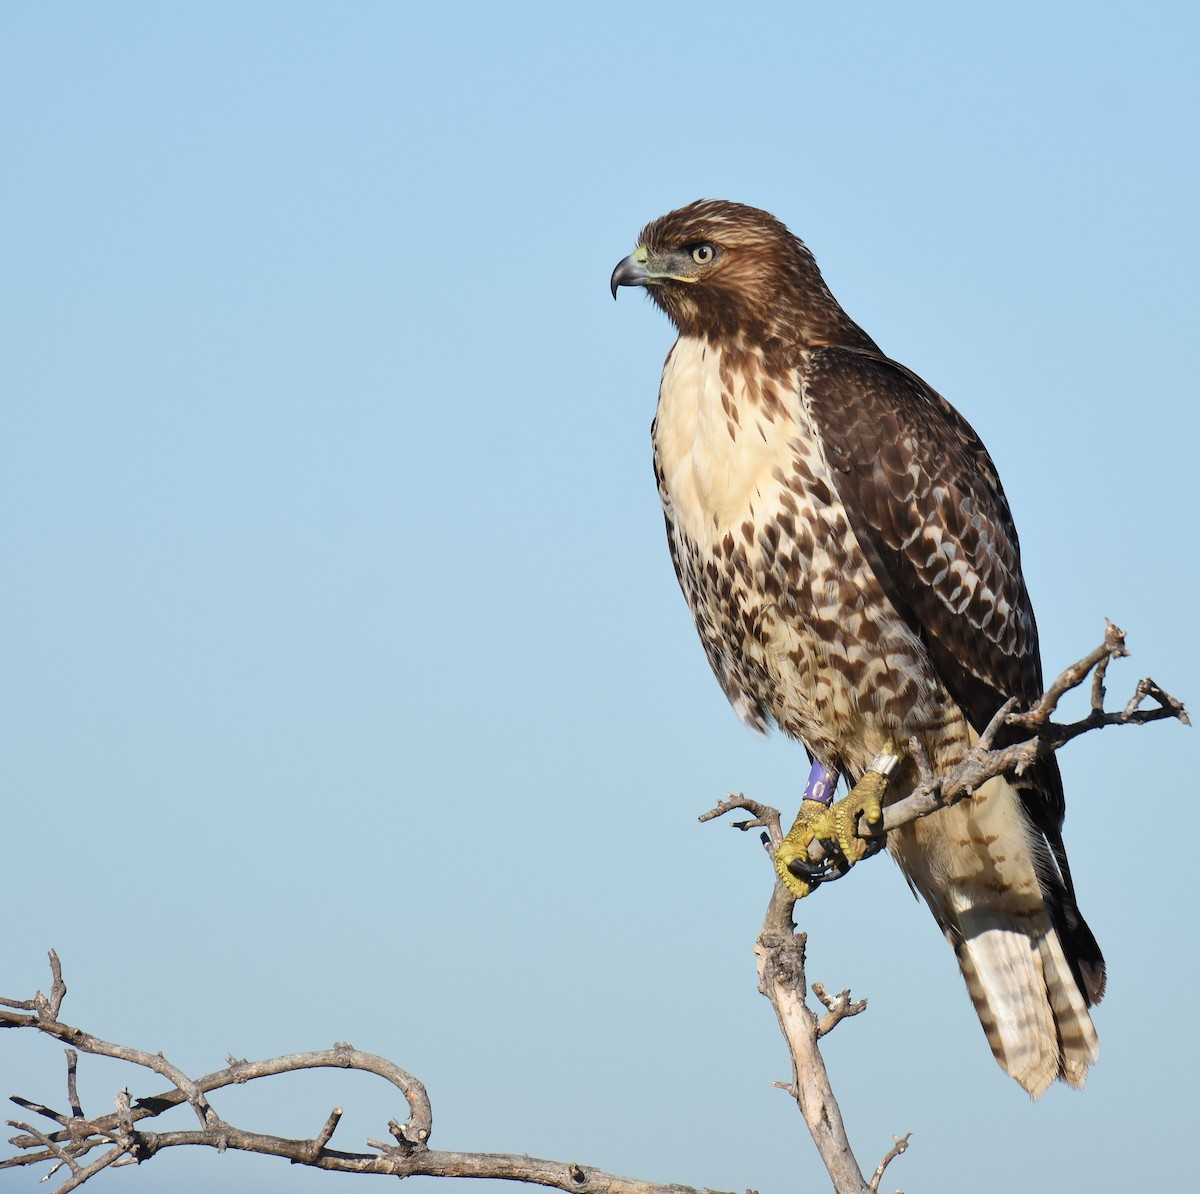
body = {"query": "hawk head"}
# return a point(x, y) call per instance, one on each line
point(724, 269)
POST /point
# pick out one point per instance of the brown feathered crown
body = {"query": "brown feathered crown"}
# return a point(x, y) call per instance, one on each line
point(725, 269)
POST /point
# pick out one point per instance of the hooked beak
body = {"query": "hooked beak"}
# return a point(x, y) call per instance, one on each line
point(631, 272)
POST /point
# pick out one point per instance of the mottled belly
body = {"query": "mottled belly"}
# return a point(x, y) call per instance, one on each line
point(800, 634)
point(794, 622)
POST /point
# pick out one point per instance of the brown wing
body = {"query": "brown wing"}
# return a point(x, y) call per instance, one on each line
point(929, 512)
point(926, 504)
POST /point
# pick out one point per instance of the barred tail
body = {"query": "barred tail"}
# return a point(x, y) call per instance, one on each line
point(999, 887)
point(1031, 1009)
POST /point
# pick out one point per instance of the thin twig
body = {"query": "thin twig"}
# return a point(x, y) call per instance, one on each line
point(409, 1156)
point(983, 762)
point(838, 1008)
point(323, 1137)
point(901, 1146)
point(764, 816)
point(73, 1084)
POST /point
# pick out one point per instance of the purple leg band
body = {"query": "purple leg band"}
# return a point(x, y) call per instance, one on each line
point(821, 783)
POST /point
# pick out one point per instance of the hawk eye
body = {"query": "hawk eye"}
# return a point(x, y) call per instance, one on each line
point(702, 254)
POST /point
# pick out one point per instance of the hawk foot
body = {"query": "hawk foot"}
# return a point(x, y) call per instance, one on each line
point(814, 823)
point(836, 828)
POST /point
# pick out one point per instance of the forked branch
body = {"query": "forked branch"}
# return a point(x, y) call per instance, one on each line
point(984, 762)
point(78, 1146)
point(781, 951)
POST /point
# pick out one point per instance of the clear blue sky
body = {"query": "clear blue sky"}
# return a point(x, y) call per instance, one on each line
point(348, 691)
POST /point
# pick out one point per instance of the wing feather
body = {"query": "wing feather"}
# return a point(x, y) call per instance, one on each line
point(928, 509)
point(926, 505)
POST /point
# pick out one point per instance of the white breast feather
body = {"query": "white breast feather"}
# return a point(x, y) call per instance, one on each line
point(715, 481)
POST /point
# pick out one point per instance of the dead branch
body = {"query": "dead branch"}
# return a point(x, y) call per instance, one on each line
point(781, 980)
point(764, 817)
point(838, 1007)
point(122, 1140)
point(985, 761)
point(780, 949)
point(900, 1146)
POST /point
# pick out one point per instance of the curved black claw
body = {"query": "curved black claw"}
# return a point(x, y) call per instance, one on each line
point(833, 866)
point(875, 843)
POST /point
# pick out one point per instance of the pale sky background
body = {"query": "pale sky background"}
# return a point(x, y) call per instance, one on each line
point(348, 693)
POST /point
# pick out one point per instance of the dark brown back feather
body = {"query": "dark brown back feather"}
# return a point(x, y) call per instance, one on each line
point(929, 512)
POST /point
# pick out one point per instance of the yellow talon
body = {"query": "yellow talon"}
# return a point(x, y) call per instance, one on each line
point(838, 823)
point(814, 820)
point(864, 800)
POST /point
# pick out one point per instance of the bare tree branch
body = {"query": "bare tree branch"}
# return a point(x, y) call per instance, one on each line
point(838, 1008)
point(125, 1141)
point(982, 762)
point(781, 980)
point(900, 1146)
point(780, 952)
point(780, 949)
point(765, 817)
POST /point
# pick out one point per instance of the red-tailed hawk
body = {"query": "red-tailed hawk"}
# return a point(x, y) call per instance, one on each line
point(846, 549)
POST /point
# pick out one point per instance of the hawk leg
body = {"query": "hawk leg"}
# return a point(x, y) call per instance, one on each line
point(836, 828)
